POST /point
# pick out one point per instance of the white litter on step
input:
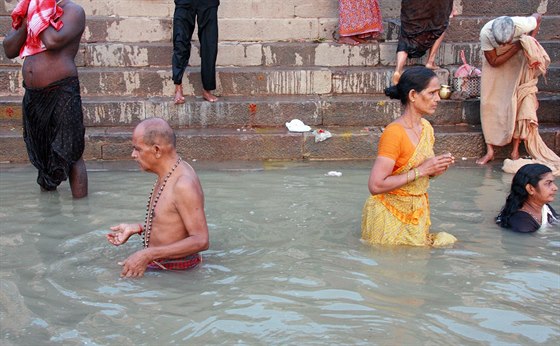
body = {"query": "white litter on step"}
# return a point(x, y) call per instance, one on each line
point(297, 125)
point(334, 174)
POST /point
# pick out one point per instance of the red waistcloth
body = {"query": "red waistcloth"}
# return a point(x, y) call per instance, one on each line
point(187, 262)
point(39, 15)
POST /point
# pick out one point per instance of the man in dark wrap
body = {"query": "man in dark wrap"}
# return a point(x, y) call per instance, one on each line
point(53, 127)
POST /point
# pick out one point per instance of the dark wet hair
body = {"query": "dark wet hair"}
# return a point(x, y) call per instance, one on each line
point(415, 78)
point(529, 174)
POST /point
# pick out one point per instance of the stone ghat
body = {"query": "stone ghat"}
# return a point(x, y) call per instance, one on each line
point(222, 144)
point(277, 61)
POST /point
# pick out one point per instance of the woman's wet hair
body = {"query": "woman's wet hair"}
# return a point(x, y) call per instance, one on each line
point(529, 174)
point(503, 29)
point(415, 78)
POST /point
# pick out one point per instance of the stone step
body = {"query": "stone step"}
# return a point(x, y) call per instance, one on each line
point(287, 54)
point(268, 54)
point(231, 81)
point(467, 29)
point(271, 143)
point(227, 8)
point(274, 54)
point(275, 111)
point(295, 8)
point(159, 29)
point(247, 81)
point(514, 8)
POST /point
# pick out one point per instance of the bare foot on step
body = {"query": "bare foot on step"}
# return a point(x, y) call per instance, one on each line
point(432, 66)
point(208, 96)
point(485, 159)
point(179, 98)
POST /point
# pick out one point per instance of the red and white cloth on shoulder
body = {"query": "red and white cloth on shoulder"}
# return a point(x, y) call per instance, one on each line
point(39, 15)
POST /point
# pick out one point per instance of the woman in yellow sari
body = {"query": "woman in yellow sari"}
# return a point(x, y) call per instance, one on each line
point(398, 211)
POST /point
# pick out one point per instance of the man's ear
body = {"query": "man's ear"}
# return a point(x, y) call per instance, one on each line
point(157, 150)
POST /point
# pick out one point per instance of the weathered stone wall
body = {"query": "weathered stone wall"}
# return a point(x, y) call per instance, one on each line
point(265, 20)
point(277, 61)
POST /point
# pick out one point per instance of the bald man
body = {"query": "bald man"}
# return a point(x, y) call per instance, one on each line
point(175, 228)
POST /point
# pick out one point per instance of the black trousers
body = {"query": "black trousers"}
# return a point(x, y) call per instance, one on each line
point(183, 27)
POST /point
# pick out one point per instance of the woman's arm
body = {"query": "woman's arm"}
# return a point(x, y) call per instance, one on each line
point(381, 179)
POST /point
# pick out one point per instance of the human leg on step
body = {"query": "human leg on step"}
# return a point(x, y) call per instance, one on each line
point(183, 27)
point(208, 35)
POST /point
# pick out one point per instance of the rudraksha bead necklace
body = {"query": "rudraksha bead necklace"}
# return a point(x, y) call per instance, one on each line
point(151, 206)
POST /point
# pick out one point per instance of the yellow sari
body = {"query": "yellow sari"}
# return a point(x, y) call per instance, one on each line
point(402, 216)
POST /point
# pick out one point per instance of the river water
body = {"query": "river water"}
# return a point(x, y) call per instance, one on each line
point(285, 264)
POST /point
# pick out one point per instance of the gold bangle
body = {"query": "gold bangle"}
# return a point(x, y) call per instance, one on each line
point(407, 176)
point(416, 174)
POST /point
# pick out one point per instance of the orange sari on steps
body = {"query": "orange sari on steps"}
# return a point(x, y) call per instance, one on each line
point(359, 17)
point(402, 216)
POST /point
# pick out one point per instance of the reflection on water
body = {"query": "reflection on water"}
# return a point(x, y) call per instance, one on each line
point(285, 265)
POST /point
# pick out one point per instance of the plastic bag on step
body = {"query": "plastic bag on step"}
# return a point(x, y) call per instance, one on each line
point(321, 135)
point(466, 70)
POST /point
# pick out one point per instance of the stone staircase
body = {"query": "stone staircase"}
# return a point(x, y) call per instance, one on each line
point(277, 61)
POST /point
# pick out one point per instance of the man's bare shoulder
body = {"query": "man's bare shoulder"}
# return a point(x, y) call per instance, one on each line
point(187, 181)
point(70, 5)
point(72, 8)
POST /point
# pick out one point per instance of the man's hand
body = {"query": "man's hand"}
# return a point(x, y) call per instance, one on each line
point(122, 232)
point(135, 265)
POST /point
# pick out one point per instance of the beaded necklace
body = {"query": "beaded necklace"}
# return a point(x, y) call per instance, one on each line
point(151, 206)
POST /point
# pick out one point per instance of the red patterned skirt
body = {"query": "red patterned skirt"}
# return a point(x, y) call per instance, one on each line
point(359, 17)
point(177, 263)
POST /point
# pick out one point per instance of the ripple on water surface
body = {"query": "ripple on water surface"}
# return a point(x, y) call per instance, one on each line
point(285, 265)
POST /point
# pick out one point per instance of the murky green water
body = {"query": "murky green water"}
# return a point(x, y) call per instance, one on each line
point(285, 265)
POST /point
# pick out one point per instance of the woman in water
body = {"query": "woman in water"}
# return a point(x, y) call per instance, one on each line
point(397, 212)
point(527, 207)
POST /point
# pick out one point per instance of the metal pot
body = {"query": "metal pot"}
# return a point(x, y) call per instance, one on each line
point(445, 92)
